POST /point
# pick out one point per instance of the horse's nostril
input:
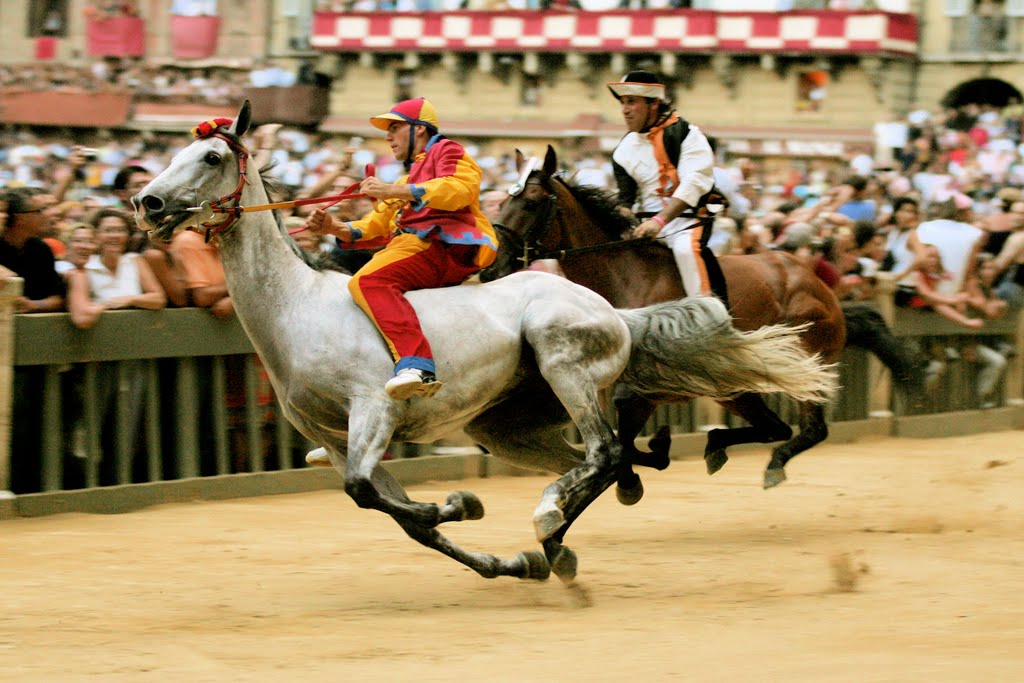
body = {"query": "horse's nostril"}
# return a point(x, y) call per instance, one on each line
point(152, 203)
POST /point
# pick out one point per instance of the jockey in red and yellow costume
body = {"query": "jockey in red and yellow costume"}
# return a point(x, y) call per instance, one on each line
point(434, 231)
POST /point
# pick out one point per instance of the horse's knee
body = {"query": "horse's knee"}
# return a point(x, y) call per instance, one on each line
point(361, 490)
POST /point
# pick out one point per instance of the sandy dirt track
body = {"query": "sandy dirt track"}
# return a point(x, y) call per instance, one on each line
point(883, 560)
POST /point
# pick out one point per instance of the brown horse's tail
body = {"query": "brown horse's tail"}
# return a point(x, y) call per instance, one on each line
point(690, 348)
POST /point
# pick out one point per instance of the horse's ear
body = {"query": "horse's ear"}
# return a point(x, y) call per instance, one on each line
point(242, 121)
point(519, 160)
point(550, 161)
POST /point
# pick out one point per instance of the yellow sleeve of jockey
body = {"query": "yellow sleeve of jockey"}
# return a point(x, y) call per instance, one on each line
point(378, 223)
point(450, 192)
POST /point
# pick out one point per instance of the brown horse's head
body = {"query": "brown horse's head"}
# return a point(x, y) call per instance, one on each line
point(546, 214)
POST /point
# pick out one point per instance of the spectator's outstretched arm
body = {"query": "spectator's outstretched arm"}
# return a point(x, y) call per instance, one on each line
point(66, 174)
point(325, 181)
point(1012, 249)
point(214, 297)
point(206, 297)
point(84, 312)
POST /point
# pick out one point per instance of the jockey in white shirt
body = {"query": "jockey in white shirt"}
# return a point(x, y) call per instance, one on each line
point(664, 170)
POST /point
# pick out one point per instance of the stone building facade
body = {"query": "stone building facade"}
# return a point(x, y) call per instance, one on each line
point(802, 83)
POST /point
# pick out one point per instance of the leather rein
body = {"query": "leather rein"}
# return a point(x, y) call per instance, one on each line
point(231, 204)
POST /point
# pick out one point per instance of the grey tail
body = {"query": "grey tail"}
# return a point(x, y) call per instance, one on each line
point(690, 348)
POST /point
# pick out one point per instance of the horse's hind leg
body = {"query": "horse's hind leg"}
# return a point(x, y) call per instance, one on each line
point(765, 427)
point(564, 500)
point(633, 412)
point(813, 430)
point(527, 430)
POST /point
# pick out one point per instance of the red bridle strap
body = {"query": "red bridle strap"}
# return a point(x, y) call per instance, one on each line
point(229, 204)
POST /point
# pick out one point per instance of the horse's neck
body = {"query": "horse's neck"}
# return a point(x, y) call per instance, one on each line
point(628, 276)
point(265, 277)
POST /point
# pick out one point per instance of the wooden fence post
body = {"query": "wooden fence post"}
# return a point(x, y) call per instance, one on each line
point(879, 379)
point(10, 289)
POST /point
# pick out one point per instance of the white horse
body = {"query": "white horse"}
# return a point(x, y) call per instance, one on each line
point(519, 358)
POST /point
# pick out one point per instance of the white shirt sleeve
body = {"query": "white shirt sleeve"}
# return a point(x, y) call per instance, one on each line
point(696, 168)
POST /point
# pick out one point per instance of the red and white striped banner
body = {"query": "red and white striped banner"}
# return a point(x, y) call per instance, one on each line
point(618, 31)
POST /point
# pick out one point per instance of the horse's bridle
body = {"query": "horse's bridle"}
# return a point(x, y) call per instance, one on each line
point(533, 250)
point(230, 204)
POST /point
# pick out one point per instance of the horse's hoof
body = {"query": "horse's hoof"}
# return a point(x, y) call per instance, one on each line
point(715, 461)
point(773, 477)
point(630, 495)
point(318, 458)
point(534, 566)
point(546, 523)
point(466, 501)
point(564, 565)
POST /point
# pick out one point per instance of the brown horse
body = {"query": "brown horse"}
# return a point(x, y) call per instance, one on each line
point(582, 227)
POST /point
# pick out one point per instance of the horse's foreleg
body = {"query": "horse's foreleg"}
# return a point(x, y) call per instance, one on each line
point(633, 412)
point(813, 430)
point(765, 427)
point(370, 486)
point(529, 564)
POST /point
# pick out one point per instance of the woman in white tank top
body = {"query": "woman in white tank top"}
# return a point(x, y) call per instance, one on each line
point(111, 278)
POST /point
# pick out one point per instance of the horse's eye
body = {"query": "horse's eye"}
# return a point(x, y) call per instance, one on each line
point(212, 158)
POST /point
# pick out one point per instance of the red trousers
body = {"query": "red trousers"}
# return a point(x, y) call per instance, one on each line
point(408, 263)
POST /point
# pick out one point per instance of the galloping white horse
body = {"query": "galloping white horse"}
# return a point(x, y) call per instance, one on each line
point(520, 357)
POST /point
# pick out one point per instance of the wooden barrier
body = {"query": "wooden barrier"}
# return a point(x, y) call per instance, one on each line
point(166, 376)
point(10, 289)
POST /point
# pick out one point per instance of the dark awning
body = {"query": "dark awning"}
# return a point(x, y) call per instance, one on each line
point(981, 91)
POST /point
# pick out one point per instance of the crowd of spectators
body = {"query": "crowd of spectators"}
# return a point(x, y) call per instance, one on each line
point(148, 82)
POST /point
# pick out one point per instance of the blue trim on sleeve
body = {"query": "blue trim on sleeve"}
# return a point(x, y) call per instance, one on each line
point(417, 197)
point(357, 234)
